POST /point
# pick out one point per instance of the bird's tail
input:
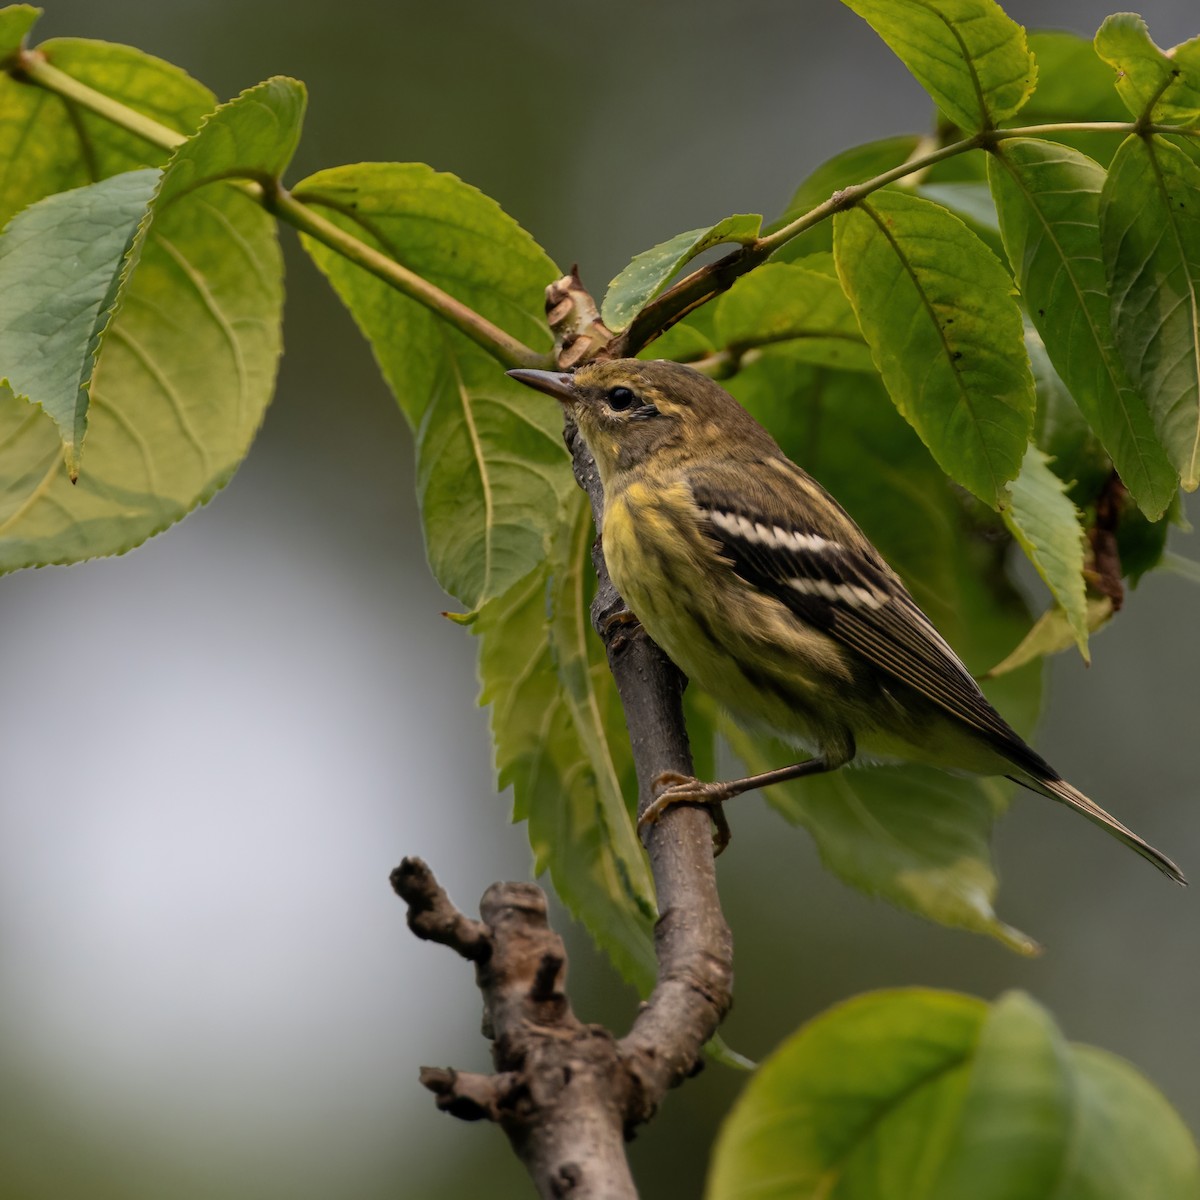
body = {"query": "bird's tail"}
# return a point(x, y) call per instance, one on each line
point(1062, 791)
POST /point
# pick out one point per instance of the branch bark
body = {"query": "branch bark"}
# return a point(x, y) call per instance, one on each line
point(568, 1094)
point(559, 1091)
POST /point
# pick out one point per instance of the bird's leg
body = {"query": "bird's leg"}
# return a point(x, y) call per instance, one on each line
point(671, 788)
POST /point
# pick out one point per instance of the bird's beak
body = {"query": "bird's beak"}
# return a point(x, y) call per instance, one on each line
point(554, 383)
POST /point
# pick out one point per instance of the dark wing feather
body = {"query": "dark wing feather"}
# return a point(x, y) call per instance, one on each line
point(832, 578)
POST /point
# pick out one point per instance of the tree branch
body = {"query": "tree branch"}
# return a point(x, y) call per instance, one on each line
point(568, 1094)
point(560, 1091)
point(692, 941)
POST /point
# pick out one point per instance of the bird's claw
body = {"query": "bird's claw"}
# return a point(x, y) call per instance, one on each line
point(671, 789)
point(617, 628)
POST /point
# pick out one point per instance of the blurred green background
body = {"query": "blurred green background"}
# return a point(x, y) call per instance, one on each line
point(215, 749)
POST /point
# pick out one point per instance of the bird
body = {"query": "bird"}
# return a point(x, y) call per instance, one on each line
point(763, 591)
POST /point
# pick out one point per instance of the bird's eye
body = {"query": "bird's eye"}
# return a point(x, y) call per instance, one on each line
point(621, 398)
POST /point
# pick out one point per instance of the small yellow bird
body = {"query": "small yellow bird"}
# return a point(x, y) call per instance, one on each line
point(765, 593)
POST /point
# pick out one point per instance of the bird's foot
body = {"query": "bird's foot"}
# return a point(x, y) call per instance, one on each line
point(671, 789)
point(617, 628)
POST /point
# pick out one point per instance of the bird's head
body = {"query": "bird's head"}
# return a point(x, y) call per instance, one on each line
point(630, 411)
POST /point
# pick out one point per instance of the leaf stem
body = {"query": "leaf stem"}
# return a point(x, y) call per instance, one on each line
point(1066, 127)
point(848, 197)
point(1091, 127)
point(33, 67)
point(502, 346)
point(696, 289)
point(1179, 130)
point(701, 286)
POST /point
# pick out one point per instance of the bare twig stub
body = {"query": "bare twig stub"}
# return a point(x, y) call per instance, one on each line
point(561, 1091)
point(569, 1094)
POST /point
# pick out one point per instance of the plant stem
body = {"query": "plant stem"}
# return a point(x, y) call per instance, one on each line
point(673, 305)
point(33, 67)
point(1065, 127)
point(696, 289)
point(502, 346)
point(701, 286)
point(848, 197)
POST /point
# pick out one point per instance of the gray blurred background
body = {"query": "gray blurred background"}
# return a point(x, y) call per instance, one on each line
point(215, 749)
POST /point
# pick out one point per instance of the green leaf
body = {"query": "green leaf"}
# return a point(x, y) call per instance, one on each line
point(253, 137)
point(923, 1093)
point(49, 145)
point(1060, 429)
point(61, 262)
point(936, 307)
point(187, 367)
point(819, 1099)
point(1157, 85)
point(1052, 633)
point(1013, 1124)
point(683, 342)
point(1131, 1142)
point(856, 165)
point(914, 836)
point(785, 303)
point(969, 55)
point(493, 473)
point(553, 703)
point(1150, 233)
point(1046, 526)
point(1047, 197)
point(650, 272)
point(30, 454)
point(1079, 460)
point(970, 167)
point(1141, 543)
point(16, 20)
point(688, 340)
point(970, 201)
point(1074, 84)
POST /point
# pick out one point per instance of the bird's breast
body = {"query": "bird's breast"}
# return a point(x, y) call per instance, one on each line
point(742, 646)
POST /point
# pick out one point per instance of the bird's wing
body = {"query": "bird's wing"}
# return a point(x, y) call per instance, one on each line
point(833, 579)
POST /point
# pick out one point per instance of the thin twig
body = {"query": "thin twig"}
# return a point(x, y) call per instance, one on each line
point(433, 917)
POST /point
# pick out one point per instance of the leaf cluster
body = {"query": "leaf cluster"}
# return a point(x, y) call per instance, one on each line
point(974, 338)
